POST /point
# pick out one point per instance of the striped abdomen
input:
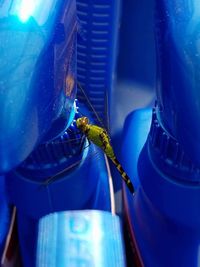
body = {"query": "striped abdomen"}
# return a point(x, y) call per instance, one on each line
point(123, 174)
point(99, 137)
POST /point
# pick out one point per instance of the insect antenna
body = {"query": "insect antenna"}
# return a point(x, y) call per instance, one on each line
point(107, 118)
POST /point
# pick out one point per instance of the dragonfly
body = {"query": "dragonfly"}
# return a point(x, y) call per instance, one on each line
point(98, 136)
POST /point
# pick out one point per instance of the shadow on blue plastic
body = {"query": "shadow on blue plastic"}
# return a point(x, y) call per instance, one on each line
point(5, 215)
point(80, 238)
point(135, 133)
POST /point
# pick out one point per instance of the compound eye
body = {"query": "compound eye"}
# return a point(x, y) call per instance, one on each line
point(86, 120)
point(79, 122)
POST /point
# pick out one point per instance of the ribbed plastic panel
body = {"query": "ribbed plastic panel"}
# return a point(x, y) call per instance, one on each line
point(96, 51)
point(51, 157)
point(169, 154)
point(80, 238)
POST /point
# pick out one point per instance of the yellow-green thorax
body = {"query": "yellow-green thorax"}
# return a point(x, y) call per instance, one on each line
point(96, 135)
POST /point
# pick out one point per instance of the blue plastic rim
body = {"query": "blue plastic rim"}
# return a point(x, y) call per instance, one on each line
point(38, 67)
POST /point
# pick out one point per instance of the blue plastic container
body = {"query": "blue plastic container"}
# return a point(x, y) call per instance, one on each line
point(84, 184)
point(38, 60)
point(178, 58)
point(86, 187)
point(163, 215)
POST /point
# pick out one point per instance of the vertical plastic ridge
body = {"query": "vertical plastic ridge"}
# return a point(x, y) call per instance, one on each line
point(96, 50)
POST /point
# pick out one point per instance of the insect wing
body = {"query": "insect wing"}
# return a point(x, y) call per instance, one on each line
point(83, 95)
point(95, 155)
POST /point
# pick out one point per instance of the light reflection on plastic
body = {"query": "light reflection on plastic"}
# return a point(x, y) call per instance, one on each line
point(72, 114)
point(25, 9)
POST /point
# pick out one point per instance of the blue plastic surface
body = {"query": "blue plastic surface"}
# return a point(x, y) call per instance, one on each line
point(5, 214)
point(164, 213)
point(135, 133)
point(177, 28)
point(136, 59)
point(97, 51)
point(86, 186)
point(80, 238)
point(38, 60)
point(52, 158)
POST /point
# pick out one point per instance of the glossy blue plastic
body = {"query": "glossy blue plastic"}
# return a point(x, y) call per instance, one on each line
point(177, 31)
point(86, 187)
point(80, 238)
point(52, 158)
point(164, 212)
point(136, 59)
point(38, 58)
point(5, 215)
point(97, 51)
point(76, 189)
point(135, 133)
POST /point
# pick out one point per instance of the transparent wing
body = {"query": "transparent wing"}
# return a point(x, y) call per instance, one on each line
point(74, 141)
point(102, 119)
point(61, 174)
